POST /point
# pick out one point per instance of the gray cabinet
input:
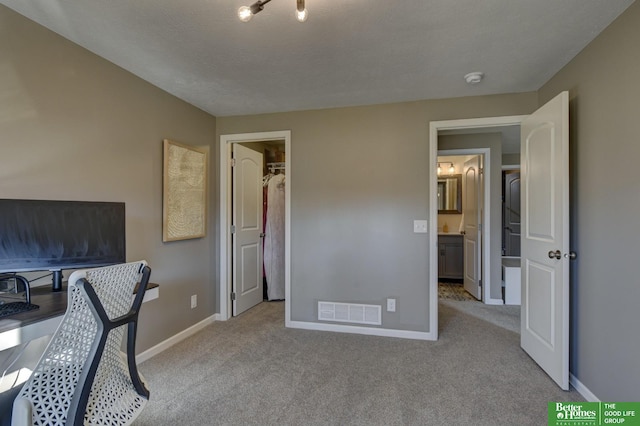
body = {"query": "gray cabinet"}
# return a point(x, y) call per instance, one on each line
point(450, 256)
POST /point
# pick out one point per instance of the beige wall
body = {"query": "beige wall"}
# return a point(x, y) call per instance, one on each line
point(359, 177)
point(76, 127)
point(453, 222)
point(510, 159)
point(604, 94)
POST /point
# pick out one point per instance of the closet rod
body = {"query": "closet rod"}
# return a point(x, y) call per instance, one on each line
point(276, 166)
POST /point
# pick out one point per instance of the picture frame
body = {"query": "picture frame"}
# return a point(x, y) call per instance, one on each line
point(184, 195)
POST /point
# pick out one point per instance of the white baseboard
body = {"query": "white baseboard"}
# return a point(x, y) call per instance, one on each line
point(494, 302)
point(371, 331)
point(582, 389)
point(166, 344)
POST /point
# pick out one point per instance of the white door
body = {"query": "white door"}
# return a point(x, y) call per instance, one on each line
point(545, 238)
point(246, 228)
point(511, 214)
point(471, 214)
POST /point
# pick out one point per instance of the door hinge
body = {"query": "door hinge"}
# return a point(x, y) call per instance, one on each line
point(233, 229)
point(233, 162)
point(233, 296)
point(479, 283)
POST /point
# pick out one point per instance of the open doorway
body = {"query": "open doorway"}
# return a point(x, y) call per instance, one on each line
point(491, 217)
point(544, 243)
point(248, 164)
point(462, 245)
point(258, 182)
point(461, 197)
point(497, 213)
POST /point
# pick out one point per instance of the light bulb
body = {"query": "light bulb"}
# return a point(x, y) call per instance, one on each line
point(244, 13)
point(439, 169)
point(452, 169)
point(302, 15)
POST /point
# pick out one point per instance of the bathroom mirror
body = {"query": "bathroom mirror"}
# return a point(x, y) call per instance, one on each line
point(450, 194)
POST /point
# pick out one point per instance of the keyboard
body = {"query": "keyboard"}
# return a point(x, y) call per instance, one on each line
point(12, 308)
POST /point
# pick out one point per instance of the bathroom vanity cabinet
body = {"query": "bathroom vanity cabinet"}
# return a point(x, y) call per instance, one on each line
point(450, 256)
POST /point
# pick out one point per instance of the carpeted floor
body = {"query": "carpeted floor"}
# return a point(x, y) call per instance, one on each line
point(251, 370)
point(455, 296)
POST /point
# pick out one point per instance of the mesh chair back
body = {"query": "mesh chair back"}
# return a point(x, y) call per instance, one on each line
point(65, 367)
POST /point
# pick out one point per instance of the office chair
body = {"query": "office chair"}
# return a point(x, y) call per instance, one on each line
point(83, 377)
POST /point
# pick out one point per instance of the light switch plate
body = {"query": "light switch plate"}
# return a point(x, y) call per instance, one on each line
point(420, 226)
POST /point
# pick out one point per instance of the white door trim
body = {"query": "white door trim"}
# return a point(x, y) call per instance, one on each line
point(224, 289)
point(434, 127)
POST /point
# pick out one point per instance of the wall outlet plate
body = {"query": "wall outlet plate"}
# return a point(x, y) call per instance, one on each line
point(194, 301)
point(391, 305)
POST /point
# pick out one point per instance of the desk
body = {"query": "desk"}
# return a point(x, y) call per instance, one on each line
point(25, 326)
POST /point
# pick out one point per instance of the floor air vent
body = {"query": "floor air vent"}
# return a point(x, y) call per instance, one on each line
point(350, 312)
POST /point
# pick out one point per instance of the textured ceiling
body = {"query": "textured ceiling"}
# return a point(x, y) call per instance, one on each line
point(349, 52)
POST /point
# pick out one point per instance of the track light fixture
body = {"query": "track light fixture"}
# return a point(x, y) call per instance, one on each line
point(245, 13)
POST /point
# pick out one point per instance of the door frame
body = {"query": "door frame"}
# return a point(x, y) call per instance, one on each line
point(225, 281)
point(434, 128)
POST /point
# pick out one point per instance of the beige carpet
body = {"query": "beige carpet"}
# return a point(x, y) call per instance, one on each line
point(251, 370)
point(455, 296)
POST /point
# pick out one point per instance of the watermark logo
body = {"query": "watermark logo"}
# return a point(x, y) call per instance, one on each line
point(593, 413)
point(576, 413)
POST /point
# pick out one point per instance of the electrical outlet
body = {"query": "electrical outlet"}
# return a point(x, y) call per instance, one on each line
point(391, 305)
point(194, 301)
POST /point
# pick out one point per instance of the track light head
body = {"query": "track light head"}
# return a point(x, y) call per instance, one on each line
point(245, 13)
point(301, 11)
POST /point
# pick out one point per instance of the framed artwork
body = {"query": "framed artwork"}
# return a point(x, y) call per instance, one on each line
point(184, 197)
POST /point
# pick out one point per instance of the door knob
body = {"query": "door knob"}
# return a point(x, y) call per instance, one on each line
point(555, 254)
point(571, 255)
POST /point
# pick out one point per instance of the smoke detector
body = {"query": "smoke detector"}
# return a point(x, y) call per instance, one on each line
point(474, 77)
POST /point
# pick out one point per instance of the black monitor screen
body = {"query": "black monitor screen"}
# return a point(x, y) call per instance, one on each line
point(54, 235)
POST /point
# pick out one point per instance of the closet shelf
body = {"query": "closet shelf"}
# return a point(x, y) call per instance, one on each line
point(281, 165)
